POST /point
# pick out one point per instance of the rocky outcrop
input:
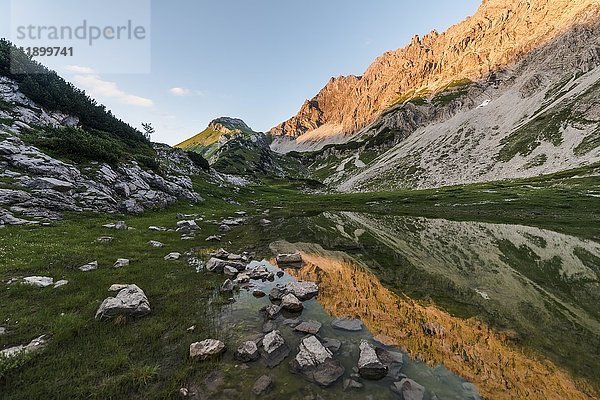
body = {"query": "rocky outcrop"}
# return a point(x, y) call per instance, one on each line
point(498, 35)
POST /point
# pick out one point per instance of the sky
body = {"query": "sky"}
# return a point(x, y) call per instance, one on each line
point(255, 60)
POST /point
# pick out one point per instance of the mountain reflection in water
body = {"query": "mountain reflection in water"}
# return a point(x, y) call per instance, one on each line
point(471, 255)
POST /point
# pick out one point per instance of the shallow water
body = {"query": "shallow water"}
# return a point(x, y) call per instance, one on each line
point(518, 304)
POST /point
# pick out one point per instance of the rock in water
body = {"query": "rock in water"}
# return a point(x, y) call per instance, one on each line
point(274, 349)
point(310, 327)
point(172, 256)
point(206, 349)
point(39, 281)
point(347, 324)
point(262, 385)
point(89, 267)
point(369, 365)
point(248, 351)
point(291, 303)
point(302, 290)
point(316, 363)
point(295, 258)
point(131, 301)
point(121, 262)
point(272, 311)
point(408, 389)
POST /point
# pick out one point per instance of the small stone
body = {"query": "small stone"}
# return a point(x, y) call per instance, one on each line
point(157, 228)
point(2, 330)
point(230, 271)
point(352, 384)
point(105, 239)
point(332, 344)
point(116, 287)
point(206, 349)
point(408, 389)
point(183, 392)
point(265, 222)
point(262, 385)
point(247, 352)
point(172, 256)
point(89, 267)
point(121, 226)
point(39, 281)
point(213, 238)
point(60, 283)
point(347, 324)
point(224, 228)
point(311, 327)
point(290, 303)
point(258, 293)
point(154, 243)
point(272, 311)
point(191, 329)
point(121, 262)
point(227, 286)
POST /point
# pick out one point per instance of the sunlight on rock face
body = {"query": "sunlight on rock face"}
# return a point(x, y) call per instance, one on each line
point(467, 347)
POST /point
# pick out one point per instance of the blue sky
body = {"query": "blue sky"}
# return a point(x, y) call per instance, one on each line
point(256, 60)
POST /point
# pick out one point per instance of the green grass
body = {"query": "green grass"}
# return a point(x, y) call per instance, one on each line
point(147, 357)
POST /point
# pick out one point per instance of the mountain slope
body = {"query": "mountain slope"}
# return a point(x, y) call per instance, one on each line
point(499, 34)
point(218, 132)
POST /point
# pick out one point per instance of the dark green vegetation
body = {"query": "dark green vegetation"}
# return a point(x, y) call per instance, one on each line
point(100, 137)
point(147, 357)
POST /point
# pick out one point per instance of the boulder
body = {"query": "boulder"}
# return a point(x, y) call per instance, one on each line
point(316, 363)
point(121, 262)
point(290, 303)
point(295, 258)
point(310, 327)
point(408, 389)
point(172, 256)
point(230, 271)
point(89, 266)
point(369, 365)
point(247, 352)
point(130, 301)
point(262, 385)
point(39, 281)
point(347, 324)
point(154, 243)
point(206, 349)
point(273, 349)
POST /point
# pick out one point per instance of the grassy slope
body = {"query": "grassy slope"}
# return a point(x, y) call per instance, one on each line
point(147, 358)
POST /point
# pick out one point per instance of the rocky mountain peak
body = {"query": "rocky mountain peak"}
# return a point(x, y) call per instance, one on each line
point(497, 36)
point(229, 125)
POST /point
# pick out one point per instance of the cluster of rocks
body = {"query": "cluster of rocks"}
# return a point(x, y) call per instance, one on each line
point(39, 187)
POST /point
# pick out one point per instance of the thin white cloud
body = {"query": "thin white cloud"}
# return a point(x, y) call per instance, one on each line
point(87, 79)
point(180, 91)
point(78, 69)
